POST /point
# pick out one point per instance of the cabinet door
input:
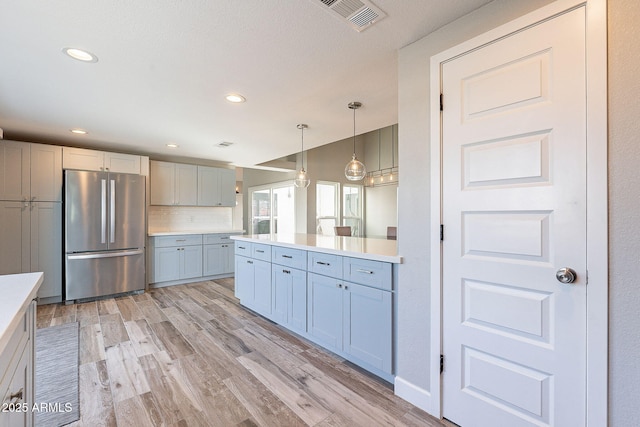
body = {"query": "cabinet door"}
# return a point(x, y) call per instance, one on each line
point(186, 177)
point(162, 183)
point(82, 159)
point(19, 382)
point(14, 170)
point(191, 262)
point(122, 163)
point(282, 281)
point(262, 284)
point(14, 238)
point(367, 325)
point(244, 280)
point(46, 244)
point(325, 310)
point(227, 187)
point(46, 173)
point(229, 249)
point(166, 264)
point(298, 301)
point(208, 184)
point(215, 259)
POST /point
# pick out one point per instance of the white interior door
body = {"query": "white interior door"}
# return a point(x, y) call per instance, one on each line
point(514, 213)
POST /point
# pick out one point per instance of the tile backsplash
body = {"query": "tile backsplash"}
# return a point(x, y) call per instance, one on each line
point(190, 218)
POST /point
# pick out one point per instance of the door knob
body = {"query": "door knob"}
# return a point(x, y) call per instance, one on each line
point(566, 275)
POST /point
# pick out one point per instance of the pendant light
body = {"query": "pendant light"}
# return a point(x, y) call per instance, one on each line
point(302, 179)
point(355, 170)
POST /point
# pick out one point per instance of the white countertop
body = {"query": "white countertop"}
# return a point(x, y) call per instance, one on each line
point(17, 290)
point(356, 247)
point(152, 233)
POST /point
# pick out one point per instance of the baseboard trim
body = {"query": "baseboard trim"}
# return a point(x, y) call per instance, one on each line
point(415, 395)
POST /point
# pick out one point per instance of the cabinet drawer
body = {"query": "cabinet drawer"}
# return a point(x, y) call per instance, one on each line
point(325, 264)
point(294, 258)
point(376, 274)
point(262, 252)
point(243, 248)
point(178, 240)
point(212, 239)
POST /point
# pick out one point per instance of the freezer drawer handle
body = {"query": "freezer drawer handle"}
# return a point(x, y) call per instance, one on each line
point(105, 255)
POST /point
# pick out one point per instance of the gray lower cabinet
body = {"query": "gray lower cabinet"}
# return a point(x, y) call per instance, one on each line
point(176, 263)
point(289, 298)
point(344, 304)
point(253, 284)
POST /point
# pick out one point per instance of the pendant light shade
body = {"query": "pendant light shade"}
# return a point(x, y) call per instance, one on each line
point(302, 178)
point(355, 170)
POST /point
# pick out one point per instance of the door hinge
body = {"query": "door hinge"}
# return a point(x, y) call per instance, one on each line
point(441, 232)
point(441, 105)
point(441, 363)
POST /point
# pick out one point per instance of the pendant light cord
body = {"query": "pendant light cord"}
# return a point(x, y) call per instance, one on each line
point(354, 131)
point(302, 147)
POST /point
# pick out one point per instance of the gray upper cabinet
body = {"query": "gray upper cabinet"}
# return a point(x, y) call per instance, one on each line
point(93, 160)
point(173, 184)
point(30, 172)
point(216, 186)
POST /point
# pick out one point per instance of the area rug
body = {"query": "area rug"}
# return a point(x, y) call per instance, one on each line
point(57, 401)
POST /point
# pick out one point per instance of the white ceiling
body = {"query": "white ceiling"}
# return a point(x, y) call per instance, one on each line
point(165, 65)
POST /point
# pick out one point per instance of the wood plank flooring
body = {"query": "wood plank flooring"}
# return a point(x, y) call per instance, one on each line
point(190, 355)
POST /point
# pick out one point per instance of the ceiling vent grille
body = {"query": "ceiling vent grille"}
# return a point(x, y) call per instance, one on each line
point(224, 144)
point(359, 14)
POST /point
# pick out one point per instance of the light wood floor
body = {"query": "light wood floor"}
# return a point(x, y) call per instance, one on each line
point(190, 355)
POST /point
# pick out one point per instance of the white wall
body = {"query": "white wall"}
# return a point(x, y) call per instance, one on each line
point(413, 377)
point(624, 213)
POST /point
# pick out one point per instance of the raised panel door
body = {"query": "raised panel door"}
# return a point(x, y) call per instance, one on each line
point(14, 171)
point(262, 283)
point(166, 264)
point(82, 159)
point(162, 183)
point(46, 173)
point(367, 325)
point(14, 238)
point(227, 187)
point(186, 185)
point(325, 310)
point(191, 262)
point(122, 163)
point(46, 246)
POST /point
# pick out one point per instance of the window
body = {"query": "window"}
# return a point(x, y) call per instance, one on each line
point(352, 208)
point(273, 208)
point(328, 212)
point(327, 207)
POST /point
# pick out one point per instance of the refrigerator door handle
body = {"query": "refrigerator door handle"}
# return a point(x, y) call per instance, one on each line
point(112, 214)
point(105, 254)
point(103, 212)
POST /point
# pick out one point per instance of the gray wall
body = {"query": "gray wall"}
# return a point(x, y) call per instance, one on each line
point(624, 213)
point(413, 193)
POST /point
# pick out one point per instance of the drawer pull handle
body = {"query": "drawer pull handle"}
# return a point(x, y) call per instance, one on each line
point(241, 247)
point(287, 256)
point(224, 237)
point(17, 396)
point(181, 240)
point(249, 262)
point(259, 251)
point(286, 271)
point(322, 263)
point(364, 271)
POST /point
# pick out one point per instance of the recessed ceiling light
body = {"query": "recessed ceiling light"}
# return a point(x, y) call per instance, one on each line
point(235, 98)
point(172, 145)
point(78, 131)
point(80, 55)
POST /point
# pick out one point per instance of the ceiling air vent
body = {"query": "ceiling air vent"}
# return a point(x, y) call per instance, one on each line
point(359, 14)
point(224, 144)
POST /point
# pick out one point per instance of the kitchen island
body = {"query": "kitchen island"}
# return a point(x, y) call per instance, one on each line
point(17, 354)
point(335, 291)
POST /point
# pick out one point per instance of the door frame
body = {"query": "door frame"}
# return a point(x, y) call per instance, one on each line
point(597, 204)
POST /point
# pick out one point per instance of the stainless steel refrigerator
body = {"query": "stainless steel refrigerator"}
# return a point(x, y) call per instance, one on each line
point(104, 234)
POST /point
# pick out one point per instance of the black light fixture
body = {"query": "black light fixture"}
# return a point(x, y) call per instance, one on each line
point(302, 178)
point(355, 170)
